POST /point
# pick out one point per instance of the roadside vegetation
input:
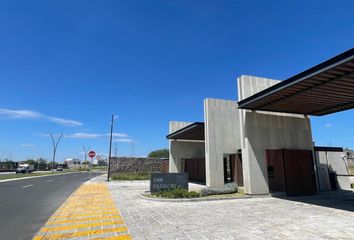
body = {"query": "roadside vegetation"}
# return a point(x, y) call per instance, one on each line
point(101, 168)
point(351, 170)
point(130, 176)
point(21, 175)
point(160, 153)
point(41, 164)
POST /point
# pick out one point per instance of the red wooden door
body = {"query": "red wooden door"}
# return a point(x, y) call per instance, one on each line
point(195, 168)
point(275, 169)
point(236, 169)
point(299, 172)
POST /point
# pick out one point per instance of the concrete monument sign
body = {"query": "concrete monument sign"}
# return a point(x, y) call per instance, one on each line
point(166, 181)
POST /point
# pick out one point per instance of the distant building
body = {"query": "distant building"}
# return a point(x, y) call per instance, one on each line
point(349, 153)
point(72, 162)
point(102, 162)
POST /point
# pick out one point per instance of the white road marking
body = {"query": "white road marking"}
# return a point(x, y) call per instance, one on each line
point(50, 180)
point(26, 186)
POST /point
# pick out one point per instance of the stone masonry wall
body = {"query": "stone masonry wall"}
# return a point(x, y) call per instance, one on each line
point(137, 165)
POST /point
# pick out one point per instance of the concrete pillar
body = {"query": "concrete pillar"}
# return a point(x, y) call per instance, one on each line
point(221, 137)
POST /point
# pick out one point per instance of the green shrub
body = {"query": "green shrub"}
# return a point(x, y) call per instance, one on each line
point(226, 189)
point(130, 176)
point(160, 153)
point(351, 170)
point(178, 193)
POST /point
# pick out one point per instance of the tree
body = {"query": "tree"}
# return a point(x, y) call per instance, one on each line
point(160, 153)
point(9, 164)
point(30, 162)
point(41, 164)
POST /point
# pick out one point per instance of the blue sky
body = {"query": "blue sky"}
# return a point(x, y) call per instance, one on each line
point(68, 65)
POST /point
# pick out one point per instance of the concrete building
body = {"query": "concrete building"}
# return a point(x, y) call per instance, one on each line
point(99, 162)
point(72, 163)
point(264, 141)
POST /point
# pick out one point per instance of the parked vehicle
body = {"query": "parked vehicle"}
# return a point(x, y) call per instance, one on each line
point(59, 168)
point(25, 168)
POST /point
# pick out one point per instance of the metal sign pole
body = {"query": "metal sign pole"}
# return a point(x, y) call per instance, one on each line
point(90, 167)
point(110, 149)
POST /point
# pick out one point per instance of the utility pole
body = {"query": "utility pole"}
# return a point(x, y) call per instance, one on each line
point(55, 146)
point(110, 148)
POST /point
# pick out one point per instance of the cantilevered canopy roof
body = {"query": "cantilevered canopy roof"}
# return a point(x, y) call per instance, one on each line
point(323, 89)
point(194, 131)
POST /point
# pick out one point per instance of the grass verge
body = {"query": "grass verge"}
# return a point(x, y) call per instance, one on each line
point(130, 176)
point(102, 168)
point(21, 175)
point(351, 170)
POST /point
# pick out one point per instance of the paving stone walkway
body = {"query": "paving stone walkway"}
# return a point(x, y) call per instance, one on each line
point(256, 218)
point(89, 213)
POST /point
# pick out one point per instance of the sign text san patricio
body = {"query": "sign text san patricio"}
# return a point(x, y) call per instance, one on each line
point(166, 181)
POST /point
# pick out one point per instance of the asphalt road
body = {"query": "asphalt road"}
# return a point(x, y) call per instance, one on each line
point(26, 204)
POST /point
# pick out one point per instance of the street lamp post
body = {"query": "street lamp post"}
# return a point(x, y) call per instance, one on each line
point(110, 149)
point(55, 146)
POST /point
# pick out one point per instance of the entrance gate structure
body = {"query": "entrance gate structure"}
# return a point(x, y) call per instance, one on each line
point(269, 115)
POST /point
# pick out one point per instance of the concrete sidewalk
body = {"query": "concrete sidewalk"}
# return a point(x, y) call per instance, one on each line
point(89, 213)
point(252, 218)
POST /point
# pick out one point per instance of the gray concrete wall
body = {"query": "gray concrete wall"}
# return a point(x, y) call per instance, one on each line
point(180, 150)
point(222, 136)
point(332, 161)
point(135, 165)
point(337, 164)
point(322, 171)
point(266, 130)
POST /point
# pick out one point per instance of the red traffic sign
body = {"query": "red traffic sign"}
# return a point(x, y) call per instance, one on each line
point(92, 154)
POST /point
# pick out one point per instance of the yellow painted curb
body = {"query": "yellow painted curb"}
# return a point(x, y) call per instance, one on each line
point(89, 212)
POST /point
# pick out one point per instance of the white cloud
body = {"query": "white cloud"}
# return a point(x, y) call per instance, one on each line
point(47, 135)
point(28, 145)
point(123, 140)
point(27, 114)
point(122, 135)
point(65, 122)
point(9, 113)
point(328, 125)
point(82, 135)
